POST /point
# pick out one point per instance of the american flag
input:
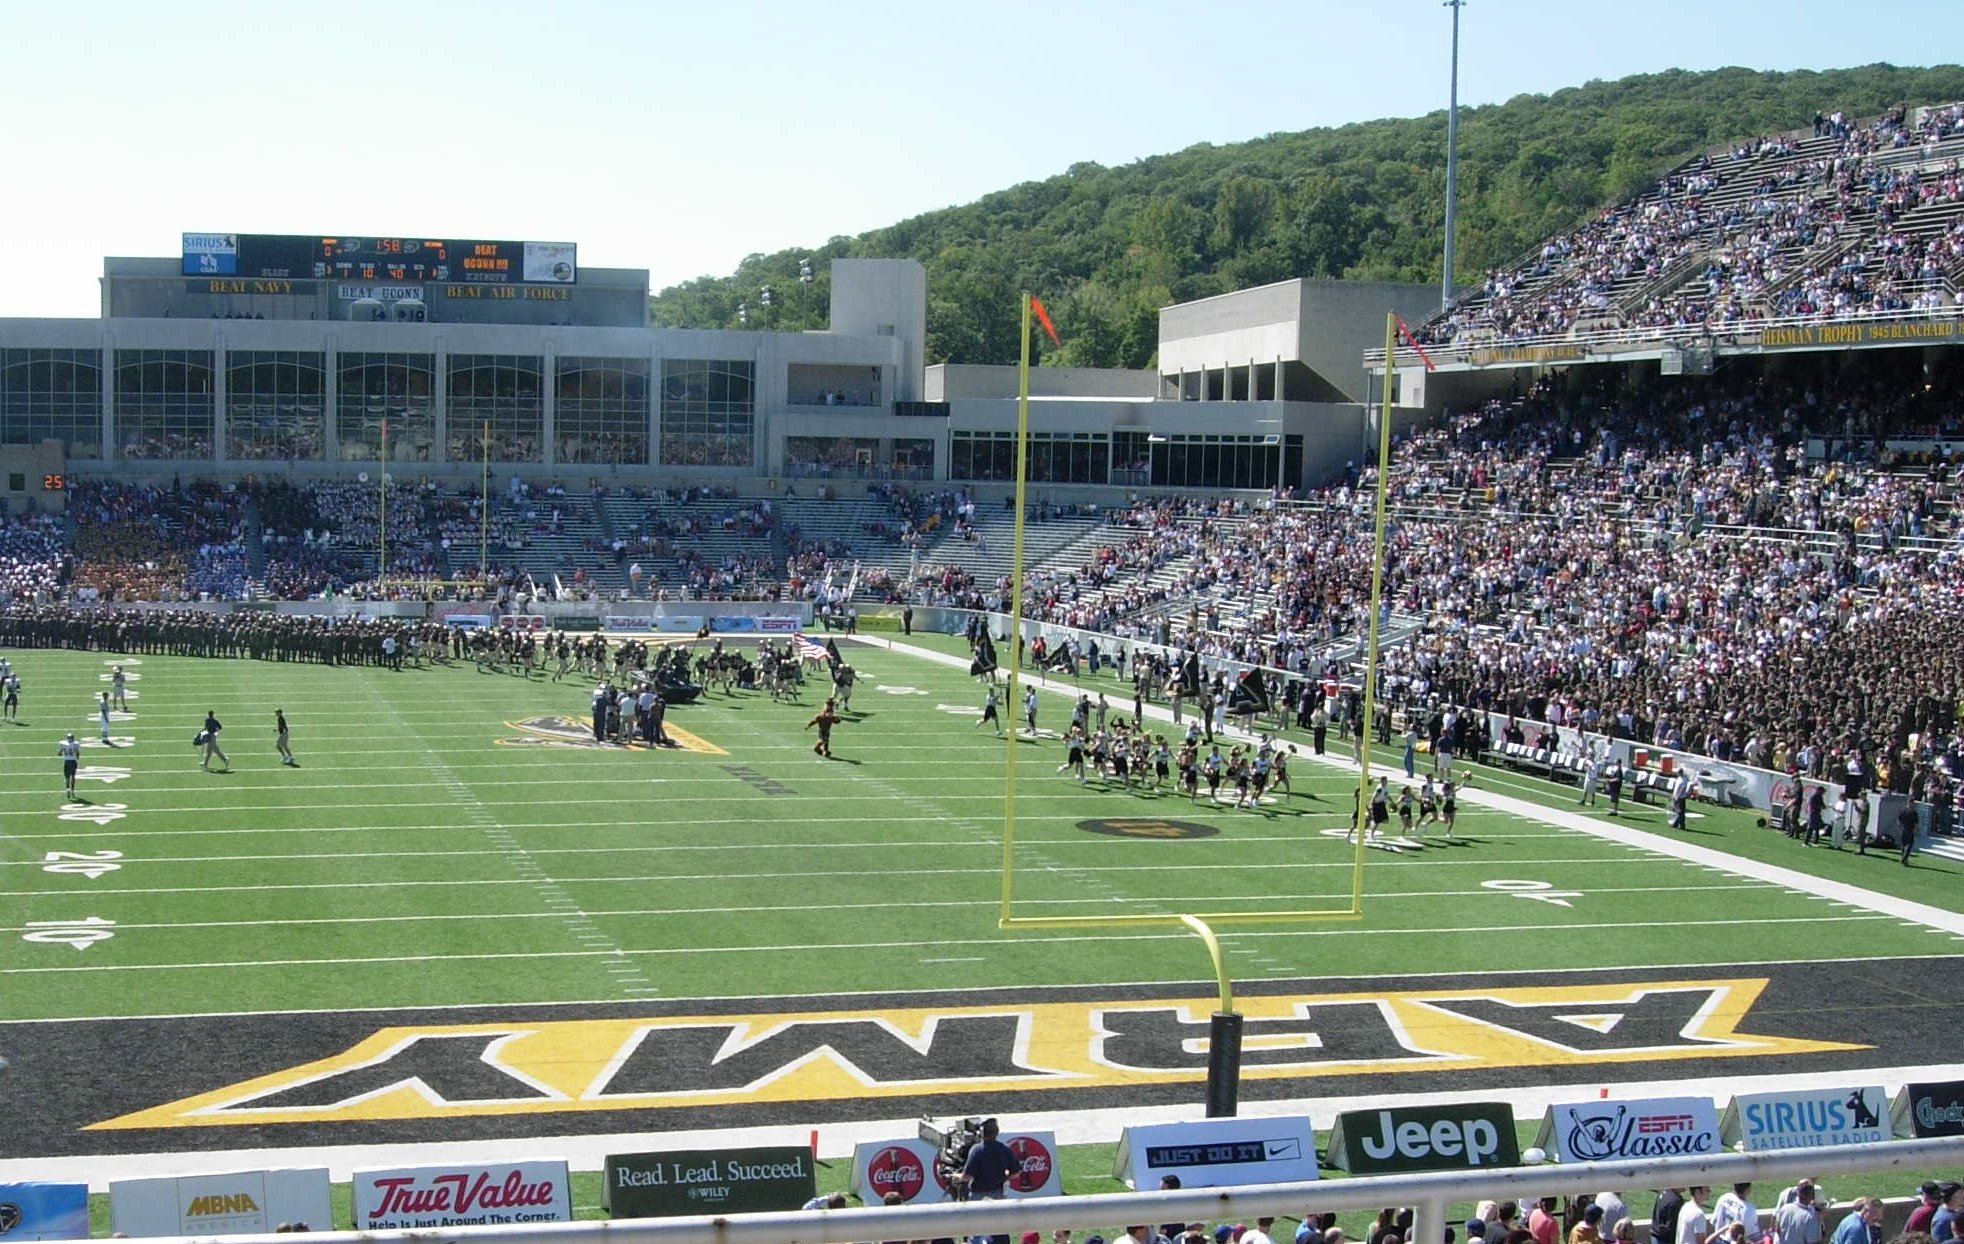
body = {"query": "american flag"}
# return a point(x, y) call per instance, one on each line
point(808, 650)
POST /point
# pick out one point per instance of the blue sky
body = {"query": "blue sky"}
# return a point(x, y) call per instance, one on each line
point(679, 137)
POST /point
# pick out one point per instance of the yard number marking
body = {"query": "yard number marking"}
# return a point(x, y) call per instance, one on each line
point(1539, 891)
point(80, 934)
point(90, 864)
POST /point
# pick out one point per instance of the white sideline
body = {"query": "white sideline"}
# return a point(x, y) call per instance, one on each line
point(1951, 922)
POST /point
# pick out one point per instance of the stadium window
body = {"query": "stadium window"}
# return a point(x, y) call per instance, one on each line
point(52, 394)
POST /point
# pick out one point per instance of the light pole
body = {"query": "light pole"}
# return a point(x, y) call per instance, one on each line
point(1452, 159)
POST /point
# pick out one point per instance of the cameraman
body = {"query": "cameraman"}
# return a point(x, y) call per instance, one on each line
point(987, 1171)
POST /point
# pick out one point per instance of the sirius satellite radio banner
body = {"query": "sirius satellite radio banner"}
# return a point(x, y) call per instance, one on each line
point(1807, 1119)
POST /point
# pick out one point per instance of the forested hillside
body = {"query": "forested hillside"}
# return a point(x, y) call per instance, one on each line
point(1107, 247)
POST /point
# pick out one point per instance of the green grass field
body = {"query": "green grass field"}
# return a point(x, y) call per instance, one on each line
point(414, 859)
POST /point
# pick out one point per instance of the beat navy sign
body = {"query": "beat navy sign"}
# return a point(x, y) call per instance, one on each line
point(1806, 1120)
point(1468, 1136)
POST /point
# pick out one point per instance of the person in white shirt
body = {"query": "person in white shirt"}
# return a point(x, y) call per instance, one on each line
point(1614, 1208)
point(1735, 1206)
point(1693, 1225)
point(71, 753)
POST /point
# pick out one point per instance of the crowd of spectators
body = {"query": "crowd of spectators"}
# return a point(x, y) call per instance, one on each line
point(1773, 228)
point(1666, 559)
point(33, 556)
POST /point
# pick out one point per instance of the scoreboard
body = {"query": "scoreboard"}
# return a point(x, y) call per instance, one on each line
point(282, 256)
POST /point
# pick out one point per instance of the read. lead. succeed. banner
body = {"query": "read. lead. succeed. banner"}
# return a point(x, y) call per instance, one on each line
point(708, 1181)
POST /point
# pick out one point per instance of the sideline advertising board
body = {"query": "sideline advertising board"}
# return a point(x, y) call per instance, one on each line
point(461, 1195)
point(708, 1181)
point(1807, 1119)
point(38, 1211)
point(1463, 1136)
point(1930, 1109)
point(1214, 1153)
point(907, 1167)
point(235, 1203)
point(1614, 1131)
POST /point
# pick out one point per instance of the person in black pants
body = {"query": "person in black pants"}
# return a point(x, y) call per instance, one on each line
point(1906, 822)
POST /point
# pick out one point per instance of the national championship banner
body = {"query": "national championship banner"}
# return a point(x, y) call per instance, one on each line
point(1614, 1131)
point(707, 1181)
point(1463, 1136)
point(1218, 1152)
point(237, 1203)
point(461, 1195)
point(1807, 1119)
point(38, 1211)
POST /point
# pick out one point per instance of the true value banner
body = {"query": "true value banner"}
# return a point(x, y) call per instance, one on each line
point(1463, 1136)
point(1653, 1127)
point(465, 1194)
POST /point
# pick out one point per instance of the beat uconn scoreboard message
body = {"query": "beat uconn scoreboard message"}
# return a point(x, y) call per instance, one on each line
point(271, 256)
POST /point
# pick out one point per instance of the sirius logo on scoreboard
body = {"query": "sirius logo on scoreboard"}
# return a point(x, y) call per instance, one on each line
point(211, 254)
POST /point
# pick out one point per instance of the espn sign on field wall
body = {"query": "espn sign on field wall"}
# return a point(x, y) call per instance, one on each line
point(1218, 1152)
point(1654, 1127)
point(461, 1196)
point(239, 1203)
point(907, 1167)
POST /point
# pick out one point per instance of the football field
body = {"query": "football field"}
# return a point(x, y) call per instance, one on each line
point(458, 916)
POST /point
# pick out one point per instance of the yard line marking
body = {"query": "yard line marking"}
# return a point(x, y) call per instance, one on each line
point(681, 952)
point(506, 844)
point(882, 902)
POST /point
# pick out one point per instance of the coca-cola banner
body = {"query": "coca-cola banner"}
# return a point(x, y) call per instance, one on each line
point(906, 1167)
point(461, 1195)
point(1653, 1127)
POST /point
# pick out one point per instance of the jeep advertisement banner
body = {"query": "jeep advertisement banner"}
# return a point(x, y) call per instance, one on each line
point(236, 1203)
point(461, 1195)
point(907, 1167)
point(1609, 1131)
point(708, 1181)
point(1464, 1136)
point(1807, 1119)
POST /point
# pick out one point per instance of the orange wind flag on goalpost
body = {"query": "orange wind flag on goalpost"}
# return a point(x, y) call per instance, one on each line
point(1412, 341)
point(1043, 318)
